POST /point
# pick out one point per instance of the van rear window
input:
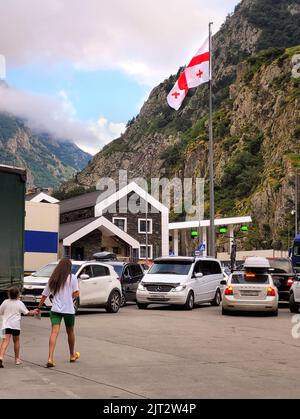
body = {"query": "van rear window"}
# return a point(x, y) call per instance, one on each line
point(250, 279)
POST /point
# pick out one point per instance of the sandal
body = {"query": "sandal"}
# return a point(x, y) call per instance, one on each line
point(19, 362)
point(76, 357)
point(1, 363)
point(50, 364)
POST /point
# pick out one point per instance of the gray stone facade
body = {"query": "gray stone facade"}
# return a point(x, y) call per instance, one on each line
point(95, 241)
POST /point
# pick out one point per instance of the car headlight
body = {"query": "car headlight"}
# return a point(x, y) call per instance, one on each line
point(179, 288)
point(141, 287)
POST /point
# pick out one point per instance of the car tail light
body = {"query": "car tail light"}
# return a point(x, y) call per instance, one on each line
point(271, 292)
point(229, 291)
point(290, 281)
point(249, 275)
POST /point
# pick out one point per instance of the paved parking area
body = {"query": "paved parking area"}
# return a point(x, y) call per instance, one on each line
point(160, 353)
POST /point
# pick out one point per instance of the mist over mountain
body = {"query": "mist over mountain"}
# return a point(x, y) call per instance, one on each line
point(49, 161)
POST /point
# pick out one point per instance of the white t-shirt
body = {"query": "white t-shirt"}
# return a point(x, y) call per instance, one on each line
point(11, 311)
point(63, 301)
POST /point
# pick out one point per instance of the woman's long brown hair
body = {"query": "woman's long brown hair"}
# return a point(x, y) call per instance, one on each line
point(60, 276)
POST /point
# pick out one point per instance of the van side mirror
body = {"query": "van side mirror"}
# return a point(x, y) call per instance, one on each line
point(199, 275)
point(84, 277)
point(223, 282)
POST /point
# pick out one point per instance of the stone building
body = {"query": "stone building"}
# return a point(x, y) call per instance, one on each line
point(122, 223)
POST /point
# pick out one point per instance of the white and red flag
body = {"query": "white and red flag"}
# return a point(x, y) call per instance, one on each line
point(195, 74)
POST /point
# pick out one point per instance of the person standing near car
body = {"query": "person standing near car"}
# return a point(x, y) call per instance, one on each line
point(63, 287)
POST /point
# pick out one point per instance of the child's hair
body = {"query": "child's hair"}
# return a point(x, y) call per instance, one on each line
point(13, 293)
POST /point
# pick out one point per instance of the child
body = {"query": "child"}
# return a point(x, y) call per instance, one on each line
point(11, 311)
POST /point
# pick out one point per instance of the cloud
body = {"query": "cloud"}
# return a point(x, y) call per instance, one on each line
point(57, 116)
point(148, 40)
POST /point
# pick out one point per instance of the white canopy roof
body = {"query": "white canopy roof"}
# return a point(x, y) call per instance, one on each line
point(206, 223)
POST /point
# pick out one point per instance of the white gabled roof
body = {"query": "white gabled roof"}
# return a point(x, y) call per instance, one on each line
point(105, 224)
point(44, 197)
point(206, 223)
point(132, 187)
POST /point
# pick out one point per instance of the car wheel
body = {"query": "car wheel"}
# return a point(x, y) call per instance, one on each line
point(76, 305)
point(217, 300)
point(225, 312)
point(190, 302)
point(275, 313)
point(114, 302)
point(123, 300)
point(294, 308)
point(142, 306)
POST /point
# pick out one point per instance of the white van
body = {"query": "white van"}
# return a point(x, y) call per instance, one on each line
point(181, 281)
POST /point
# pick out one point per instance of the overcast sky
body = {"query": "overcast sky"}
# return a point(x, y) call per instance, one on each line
point(82, 68)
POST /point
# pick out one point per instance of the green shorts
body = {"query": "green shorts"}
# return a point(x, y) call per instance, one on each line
point(56, 319)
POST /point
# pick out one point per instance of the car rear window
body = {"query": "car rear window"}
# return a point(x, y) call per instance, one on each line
point(118, 269)
point(281, 266)
point(250, 279)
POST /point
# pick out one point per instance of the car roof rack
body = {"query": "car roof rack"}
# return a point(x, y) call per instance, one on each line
point(105, 256)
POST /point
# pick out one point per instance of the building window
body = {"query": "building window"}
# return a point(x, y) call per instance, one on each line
point(116, 250)
point(142, 226)
point(121, 223)
point(143, 254)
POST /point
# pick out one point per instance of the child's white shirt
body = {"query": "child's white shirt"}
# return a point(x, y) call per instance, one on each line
point(11, 311)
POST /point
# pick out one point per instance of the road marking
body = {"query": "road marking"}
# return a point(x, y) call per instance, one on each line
point(45, 380)
point(70, 393)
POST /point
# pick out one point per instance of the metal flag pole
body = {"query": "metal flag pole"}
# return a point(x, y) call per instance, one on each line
point(212, 247)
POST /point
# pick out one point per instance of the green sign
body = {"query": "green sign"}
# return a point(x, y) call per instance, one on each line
point(223, 230)
point(195, 234)
point(245, 228)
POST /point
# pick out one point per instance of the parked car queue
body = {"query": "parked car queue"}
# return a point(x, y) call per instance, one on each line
point(181, 281)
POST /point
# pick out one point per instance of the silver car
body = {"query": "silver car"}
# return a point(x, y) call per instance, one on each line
point(249, 291)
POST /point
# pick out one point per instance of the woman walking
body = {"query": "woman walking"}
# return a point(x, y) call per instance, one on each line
point(63, 287)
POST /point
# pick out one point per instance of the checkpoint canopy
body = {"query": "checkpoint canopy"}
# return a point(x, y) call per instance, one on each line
point(175, 228)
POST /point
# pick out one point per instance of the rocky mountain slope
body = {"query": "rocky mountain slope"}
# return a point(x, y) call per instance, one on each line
point(256, 124)
point(49, 162)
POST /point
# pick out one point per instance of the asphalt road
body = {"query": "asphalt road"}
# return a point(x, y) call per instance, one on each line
point(160, 353)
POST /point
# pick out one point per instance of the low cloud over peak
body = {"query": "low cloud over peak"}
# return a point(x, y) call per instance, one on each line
point(57, 116)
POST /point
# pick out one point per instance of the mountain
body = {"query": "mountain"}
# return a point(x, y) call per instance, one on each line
point(48, 161)
point(256, 125)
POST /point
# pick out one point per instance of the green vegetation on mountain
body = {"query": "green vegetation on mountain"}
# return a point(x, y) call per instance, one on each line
point(277, 21)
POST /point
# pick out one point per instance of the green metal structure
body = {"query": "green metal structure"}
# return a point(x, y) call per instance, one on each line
point(12, 219)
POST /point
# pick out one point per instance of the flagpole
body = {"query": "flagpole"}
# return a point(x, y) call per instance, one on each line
point(212, 247)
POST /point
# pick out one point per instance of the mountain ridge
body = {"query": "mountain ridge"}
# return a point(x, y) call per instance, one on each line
point(48, 161)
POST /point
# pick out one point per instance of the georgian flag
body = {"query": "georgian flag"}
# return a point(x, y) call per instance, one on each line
point(195, 74)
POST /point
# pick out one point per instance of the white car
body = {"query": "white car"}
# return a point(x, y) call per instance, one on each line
point(251, 290)
point(181, 281)
point(98, 282)
point(295, 295)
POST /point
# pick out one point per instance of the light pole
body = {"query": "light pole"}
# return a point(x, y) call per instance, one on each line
point(296, 202)
point(212, 238)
